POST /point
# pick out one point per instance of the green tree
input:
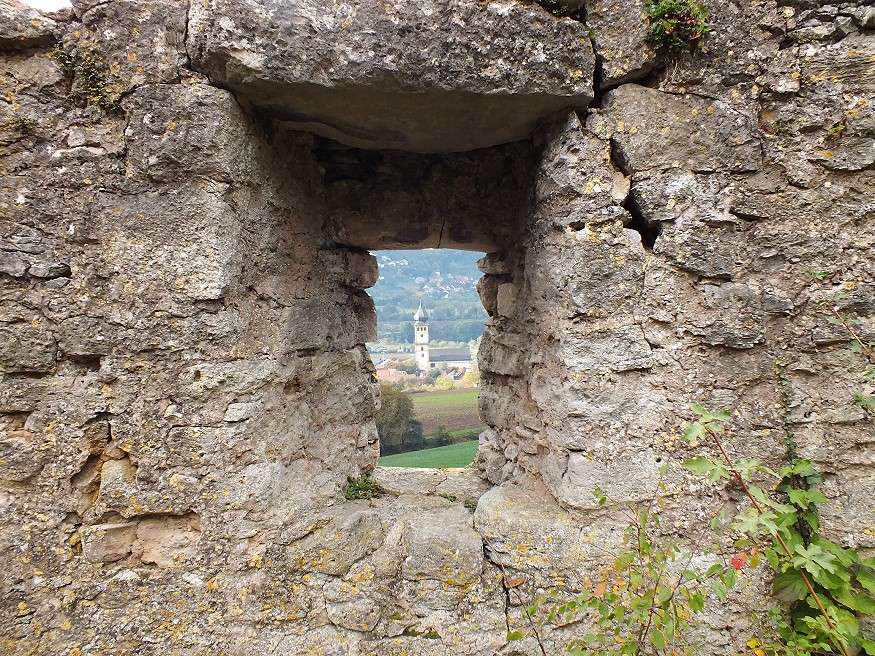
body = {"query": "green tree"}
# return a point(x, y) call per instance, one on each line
point(441, 437)
point(397, 428)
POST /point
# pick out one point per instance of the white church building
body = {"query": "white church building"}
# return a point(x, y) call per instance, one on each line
point(428, 358)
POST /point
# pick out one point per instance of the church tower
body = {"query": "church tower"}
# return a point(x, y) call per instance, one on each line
point(420, 339)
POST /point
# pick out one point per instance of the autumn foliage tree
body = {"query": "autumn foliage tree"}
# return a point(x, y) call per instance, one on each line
point(397, 428)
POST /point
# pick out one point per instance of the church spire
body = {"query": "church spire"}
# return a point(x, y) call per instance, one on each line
point(421, 315)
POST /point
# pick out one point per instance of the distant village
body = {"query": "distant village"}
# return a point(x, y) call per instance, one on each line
point(425, 363)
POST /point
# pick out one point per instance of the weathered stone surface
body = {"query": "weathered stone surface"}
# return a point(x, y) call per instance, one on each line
point(450, 557)
point(23, 27)
point(695, 133)
point(620, 39)
point(185, 388)
point(460, 484)
point(424, 78)
point(577, 181)
point(106, 543)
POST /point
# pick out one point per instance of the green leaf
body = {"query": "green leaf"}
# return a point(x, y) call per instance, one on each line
point(514, 635)
point(746, 467)
point(719, 589)
point(694, 432)
point(700, 410)
point(859, 602)
point(845, 557)
point(868, 647)
point(814, 559)
point(789, 586)
point(697, 602)
point(747, 521)
point(804, 498)
point(699, 464)
point(714, 569)
point(658, 639)
point(866, 579)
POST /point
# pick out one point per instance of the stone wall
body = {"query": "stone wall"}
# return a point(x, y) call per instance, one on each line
point(188, 198)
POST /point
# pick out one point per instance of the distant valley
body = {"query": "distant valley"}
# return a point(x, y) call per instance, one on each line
point(446, 282)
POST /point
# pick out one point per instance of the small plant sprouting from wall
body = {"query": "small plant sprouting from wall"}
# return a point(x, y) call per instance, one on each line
point(90, 85)
point(21, 123)
point(676, 25)
point(362, 488)
point(562, 8)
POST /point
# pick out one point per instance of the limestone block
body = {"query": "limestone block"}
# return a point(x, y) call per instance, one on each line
point(192, 130)
point(492, 264)
point(348, 537)
point(629, 477)
point(350, 606)
point(487, 288)
point(20, 456)
point(675, 194)
point(49, 269)
point(502, 353)
point(356, 269)
point(656, 130)
point(463, 484)
point(735, 319)
point(620, 349)
point(506, 300)
point(167, 541)
point(183, 243)
point(23, 27)
point(864, 17)
point(443, 546)
point(27, 346)
point(846, 64)
point(782, 75)
point(575, 175)
point(107, 543)
point(12, 264)
point(853, 150)
point(526, 531)
point(146, 44)
point(620, 38)
point(606, 266)
point(240, 411)
point(708, 249)
point(311, 323)
point(427, 77)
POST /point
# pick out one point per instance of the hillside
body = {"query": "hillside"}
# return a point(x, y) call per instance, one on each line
point(445, 280)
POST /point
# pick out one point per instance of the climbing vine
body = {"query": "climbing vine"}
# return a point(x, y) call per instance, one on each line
point(647, 600)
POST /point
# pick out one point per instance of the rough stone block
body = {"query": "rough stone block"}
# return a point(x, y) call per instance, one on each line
point(620, 38)
point(27, 346)
point(167, 541)
point(192, 130)
point(183, 244)
point(698, 134)
point(350, 536)
point(20, 457)
point(146, 44)
point(614, 349)
point(427, 77)
point(23, 27)
point(630, 477)
point(576, 179)
point(443, 546)
point(107, 543)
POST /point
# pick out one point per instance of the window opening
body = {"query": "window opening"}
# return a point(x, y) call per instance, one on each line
point(429, 326)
